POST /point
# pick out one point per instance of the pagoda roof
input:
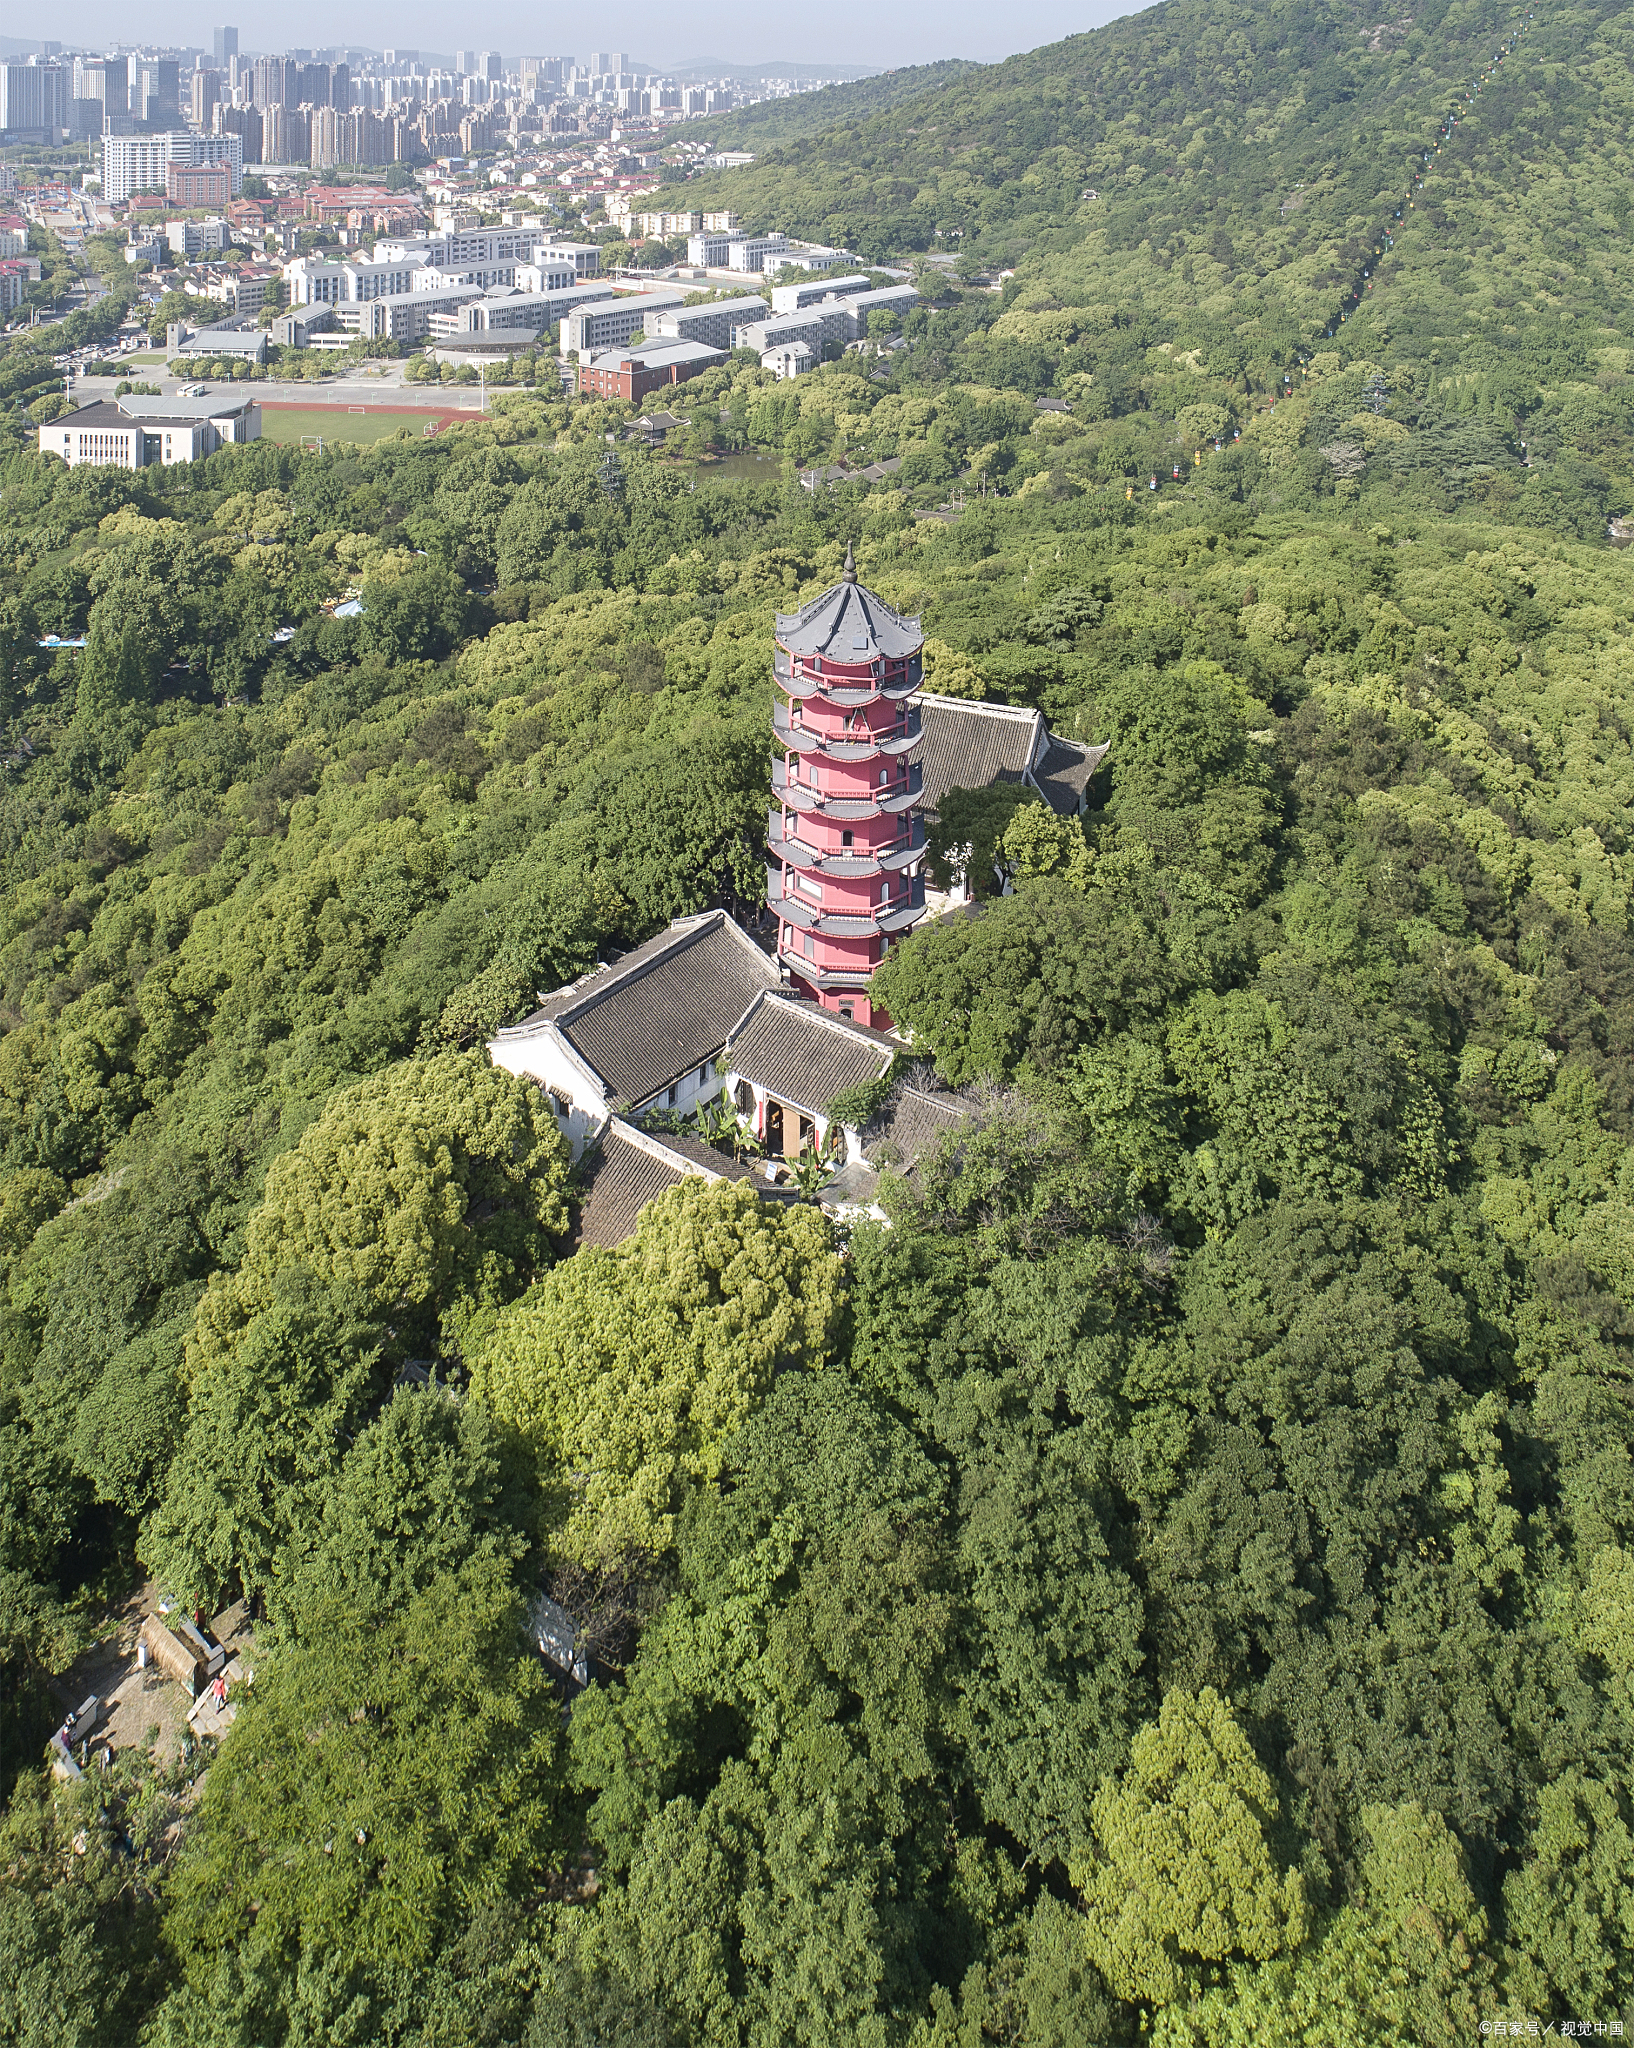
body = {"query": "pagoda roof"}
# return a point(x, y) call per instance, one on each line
point(850, 624)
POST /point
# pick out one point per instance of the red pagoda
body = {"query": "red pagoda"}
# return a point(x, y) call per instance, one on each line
point(847, 841)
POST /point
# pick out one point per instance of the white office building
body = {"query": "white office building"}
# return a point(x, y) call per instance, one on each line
point(133, 432)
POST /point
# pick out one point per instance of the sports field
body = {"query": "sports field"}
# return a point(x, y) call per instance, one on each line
point(339, 423)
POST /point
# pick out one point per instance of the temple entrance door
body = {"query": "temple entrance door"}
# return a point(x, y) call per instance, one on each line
point(774, 1130)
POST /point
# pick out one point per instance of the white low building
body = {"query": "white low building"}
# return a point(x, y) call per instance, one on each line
point(644, 1033)
point(135, 432)
point(789, 359)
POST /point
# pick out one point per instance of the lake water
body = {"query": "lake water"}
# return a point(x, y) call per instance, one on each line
point(748, 466)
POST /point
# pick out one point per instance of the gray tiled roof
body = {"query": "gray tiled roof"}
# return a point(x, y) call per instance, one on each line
point(625, 1171)
point(1064, 773)
point(963, 745)
point(664, 1008)
point(805, 1055)
point(915, 1123)
point(849, 623)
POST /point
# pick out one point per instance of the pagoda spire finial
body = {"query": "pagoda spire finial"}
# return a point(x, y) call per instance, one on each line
point(849, 573)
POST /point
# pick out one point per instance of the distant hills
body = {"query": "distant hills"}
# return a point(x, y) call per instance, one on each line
point(1231, 169)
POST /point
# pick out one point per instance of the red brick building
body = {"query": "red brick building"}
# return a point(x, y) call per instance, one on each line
point(206, 185)
point(630, 373)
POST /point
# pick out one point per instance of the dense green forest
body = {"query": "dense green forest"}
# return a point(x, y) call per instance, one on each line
point(1174, 1582)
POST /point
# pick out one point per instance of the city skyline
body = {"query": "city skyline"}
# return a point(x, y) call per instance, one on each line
point(847, 36)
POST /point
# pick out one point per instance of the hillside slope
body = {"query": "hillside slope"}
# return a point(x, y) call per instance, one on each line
point(813, 113)
point(1243, 162)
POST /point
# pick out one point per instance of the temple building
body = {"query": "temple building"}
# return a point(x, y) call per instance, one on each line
point(846, 842)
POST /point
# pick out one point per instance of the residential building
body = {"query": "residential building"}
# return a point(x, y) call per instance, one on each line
point(791, 298)
point(613, 322)
point(789, 359)
point(242, 291)
point(195, 185)
point(13, 236)
point(322, 281)
point(895, 299)
point(141, 163)
point(714, 324)
point(296, 329)
point(630, 373)
point(519, 315)
point(646, 1032)
point(145, 245)
point(15, 283)
point(189, 238)
point(35, 100)
point(846, 843)
point(814, 326)
point(132, 432)
point(204, 96)
point(402, 316)
point(665, 227)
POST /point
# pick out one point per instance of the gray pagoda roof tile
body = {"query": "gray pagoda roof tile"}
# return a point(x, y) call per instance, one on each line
point(850, 624)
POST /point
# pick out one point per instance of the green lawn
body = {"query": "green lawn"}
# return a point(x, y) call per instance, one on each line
point(335, 423)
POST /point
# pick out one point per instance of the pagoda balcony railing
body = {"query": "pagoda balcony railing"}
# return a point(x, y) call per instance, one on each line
point(892, 917)
point(845, 690)
point(845, 863)
point(896, 738)
point(847, 810)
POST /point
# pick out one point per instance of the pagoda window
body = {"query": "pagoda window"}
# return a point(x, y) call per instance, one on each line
point(846, 838)
point(884, 777)
point(884, 892)
point(811, 947)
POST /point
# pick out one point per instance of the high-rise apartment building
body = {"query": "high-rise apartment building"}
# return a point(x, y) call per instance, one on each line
point(204, 96)
point(34, 100)
point(156, 91)
point(140, 163)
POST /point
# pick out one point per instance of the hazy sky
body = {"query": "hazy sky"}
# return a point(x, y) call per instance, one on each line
point(732, 31)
